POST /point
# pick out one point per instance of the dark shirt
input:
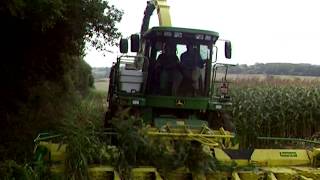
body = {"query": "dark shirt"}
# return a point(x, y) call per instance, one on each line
point(167, 61)
point(191, 60)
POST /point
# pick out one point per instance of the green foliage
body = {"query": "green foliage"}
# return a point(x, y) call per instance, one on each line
point(81, 77)
point(83, 131)
point(136, 148)
point(10, 170)
point(93, 20)
point(82, 127)
point(43, 72)
point(131, 142)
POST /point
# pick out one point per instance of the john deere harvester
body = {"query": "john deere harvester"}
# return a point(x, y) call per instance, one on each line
point(171, 82)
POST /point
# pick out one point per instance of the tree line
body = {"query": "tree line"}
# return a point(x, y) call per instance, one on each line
point(258, 68)
point(277, 69)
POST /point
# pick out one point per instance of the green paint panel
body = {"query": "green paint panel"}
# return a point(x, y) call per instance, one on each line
point(132, 101)
point(197, 103)
point(288, 154)
point(147, 115)
point(177, 102)
point(153, 31)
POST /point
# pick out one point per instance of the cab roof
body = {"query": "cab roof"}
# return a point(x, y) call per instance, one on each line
point(177, 32)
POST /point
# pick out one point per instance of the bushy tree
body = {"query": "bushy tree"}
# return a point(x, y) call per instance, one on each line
point(42, 68)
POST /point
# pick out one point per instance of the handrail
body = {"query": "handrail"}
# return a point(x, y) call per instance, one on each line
point(46, 136)
point(289, 139)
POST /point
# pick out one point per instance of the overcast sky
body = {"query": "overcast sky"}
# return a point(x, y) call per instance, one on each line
point(260, 30)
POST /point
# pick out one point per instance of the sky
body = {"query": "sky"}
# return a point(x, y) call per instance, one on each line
point(261, 31)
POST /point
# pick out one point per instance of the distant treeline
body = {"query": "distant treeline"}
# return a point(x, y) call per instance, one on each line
point(258, 68)
point(277, 69)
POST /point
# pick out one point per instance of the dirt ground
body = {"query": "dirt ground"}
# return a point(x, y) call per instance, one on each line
point(102, 85)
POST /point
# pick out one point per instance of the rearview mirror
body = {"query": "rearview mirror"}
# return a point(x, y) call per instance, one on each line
point(135, 40)
point(124, 45)
point(227, 49)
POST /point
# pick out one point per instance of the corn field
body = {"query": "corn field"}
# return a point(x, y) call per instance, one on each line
point(275, 108)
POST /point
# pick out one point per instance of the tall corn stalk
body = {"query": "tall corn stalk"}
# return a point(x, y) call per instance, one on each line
point(284, 108)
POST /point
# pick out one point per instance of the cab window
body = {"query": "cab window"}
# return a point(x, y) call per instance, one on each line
point(204, 52)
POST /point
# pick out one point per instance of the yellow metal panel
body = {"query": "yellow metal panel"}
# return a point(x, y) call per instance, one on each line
point(163, 12)
point(235, 176)
point(102, 172)
point(57, 151)
point(241, 162)
point(315, 153)
point(218, 176)
point(144, 169)
point(251, 175)
point(98, 172)
point(287, 176)
point(116, 176)
point(304, 178)
point(281, 173)
point(225, 158)
point(221, 155)
point(271, 176)
point(277, 170)
point(280, 157)
point(145, 173)
point(101, 168)
point(309, 172)
point(158, 177)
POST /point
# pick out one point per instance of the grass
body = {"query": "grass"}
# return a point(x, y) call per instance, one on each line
point(101, 85)
point(82, 130)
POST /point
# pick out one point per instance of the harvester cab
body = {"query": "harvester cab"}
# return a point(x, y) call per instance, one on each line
point(172, 75)
point(177, 61)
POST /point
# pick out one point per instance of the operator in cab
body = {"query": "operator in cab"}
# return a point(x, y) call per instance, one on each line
point(168, 66)
point(191, 64)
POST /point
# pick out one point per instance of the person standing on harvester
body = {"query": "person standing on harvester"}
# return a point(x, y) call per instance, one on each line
point(192, 63)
